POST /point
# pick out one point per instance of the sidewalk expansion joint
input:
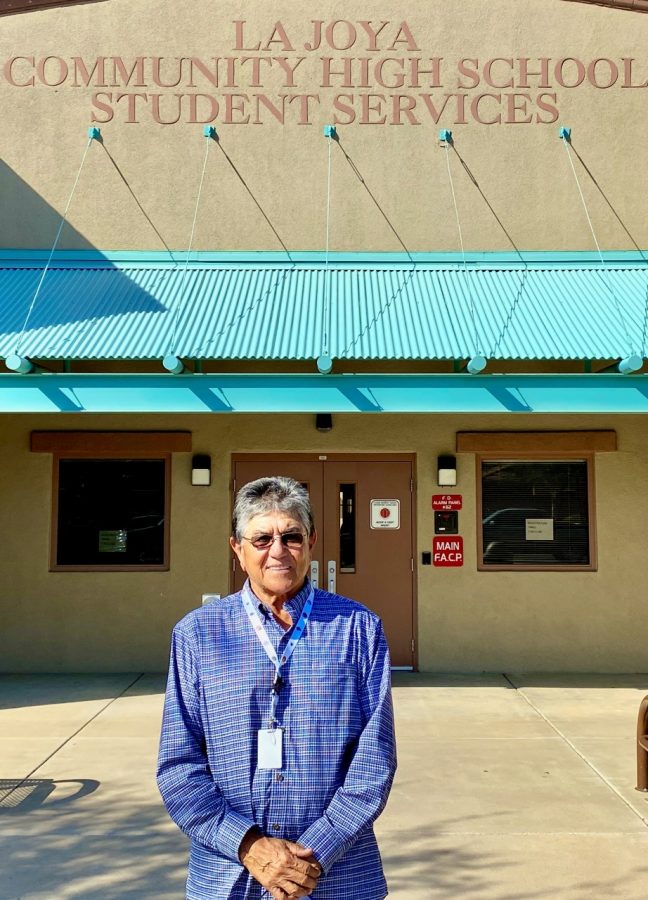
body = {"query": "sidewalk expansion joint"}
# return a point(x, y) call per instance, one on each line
point(581, 756)
point(40, 765)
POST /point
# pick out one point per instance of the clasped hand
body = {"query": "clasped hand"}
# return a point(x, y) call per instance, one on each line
point(285, 869)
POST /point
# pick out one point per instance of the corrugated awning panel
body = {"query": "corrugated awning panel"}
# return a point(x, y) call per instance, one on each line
point(412, 311)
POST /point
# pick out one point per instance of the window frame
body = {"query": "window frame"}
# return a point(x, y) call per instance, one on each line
point(110, 445)
point(54, 566)
point(541, 456)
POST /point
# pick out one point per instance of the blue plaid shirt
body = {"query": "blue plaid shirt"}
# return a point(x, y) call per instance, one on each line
point(339, 750)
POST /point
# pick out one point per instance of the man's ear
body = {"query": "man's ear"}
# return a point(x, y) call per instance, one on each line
point(238, 550)
point(312, 539)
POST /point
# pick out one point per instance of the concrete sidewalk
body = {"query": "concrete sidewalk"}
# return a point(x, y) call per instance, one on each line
point(508, 787)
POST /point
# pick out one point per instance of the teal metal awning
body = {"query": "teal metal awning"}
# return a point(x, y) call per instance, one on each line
point(370, 307)
point(270, 306)
point(298, 393)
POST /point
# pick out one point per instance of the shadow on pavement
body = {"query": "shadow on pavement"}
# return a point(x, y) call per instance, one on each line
point(449, 862)
point(130, 861)
point(20, 795)
point(18, 691)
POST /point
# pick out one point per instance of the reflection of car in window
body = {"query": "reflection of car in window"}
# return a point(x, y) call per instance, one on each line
point(145, 523)
point(512, 516)
point(505, 539)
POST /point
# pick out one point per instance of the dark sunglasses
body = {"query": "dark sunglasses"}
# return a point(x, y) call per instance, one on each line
point(291, 539)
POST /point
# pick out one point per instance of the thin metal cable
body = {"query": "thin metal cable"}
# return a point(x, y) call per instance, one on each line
point(589, 219)
point(463, 251)
point(383, 305)
point(511, 313)
point(573, 167)
point(172, 346)
point(645, 325)
point(53, 250)
point(327, 273)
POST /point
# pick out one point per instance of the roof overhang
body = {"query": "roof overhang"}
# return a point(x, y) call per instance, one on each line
point(299, 393)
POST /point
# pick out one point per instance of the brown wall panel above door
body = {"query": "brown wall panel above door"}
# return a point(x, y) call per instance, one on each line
point(633, 5)
point(16, 6)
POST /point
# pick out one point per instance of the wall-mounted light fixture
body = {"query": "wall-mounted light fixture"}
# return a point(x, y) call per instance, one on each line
point(201, 469)
point(324, 422)
point(446, 471)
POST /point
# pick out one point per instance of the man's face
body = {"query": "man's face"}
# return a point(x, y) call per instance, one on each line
point(278, 571)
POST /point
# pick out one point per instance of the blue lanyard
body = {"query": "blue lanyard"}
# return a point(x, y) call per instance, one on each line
point(250, 603)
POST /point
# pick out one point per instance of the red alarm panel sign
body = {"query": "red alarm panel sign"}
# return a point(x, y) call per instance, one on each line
point(447, 550)
point(446, 502)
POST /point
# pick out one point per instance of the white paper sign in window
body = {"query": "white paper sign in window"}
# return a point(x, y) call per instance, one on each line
point(539, 529)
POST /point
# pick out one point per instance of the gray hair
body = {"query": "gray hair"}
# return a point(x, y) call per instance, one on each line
point(276, 493)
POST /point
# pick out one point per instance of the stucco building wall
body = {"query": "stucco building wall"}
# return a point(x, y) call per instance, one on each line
point(505, 124)
point(467, 620)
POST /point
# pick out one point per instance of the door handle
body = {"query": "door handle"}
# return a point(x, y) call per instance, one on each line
point(331, 567)
point(314, 573)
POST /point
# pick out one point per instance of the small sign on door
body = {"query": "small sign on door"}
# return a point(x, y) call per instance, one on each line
point(385, 513)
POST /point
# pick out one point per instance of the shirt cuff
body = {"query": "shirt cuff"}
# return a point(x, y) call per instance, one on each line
point(231, 832)
point(325, 841)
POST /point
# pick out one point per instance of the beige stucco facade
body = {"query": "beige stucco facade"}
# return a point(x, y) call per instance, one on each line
point(467, 620)
point(474, 60)
point(503, 76)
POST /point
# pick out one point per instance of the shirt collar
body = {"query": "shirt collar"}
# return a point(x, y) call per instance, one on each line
point(294, 606)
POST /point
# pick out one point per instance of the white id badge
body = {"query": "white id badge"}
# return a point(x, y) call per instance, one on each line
point(269, 748)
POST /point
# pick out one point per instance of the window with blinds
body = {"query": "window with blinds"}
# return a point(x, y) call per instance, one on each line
point(536, 514)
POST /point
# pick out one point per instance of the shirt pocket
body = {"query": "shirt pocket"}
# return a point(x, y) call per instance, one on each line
point(327, 693)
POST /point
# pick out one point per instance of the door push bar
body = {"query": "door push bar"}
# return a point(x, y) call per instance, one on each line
point(314, 573)
point(642, 746)
point(331, 568)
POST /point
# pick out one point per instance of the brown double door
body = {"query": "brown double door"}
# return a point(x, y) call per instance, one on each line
point(363, 508)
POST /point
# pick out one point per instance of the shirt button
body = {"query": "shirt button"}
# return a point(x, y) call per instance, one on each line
point(279, 777)
point(276, 827)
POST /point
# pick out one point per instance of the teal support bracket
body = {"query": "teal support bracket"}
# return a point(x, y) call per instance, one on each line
point(94, 133)
point(19, 364)
point(626, 366)
point(565, 134)
point(476, 365)
point(330, 131)
point(324, 364)
point(445, 135)
point(210, 132)
point(631, 364)
point(172, 364)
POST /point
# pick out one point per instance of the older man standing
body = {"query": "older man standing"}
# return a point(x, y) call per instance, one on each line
point(277, 750)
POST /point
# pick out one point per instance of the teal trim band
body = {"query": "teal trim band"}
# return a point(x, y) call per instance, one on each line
point(231, 393)
point(534, 259)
